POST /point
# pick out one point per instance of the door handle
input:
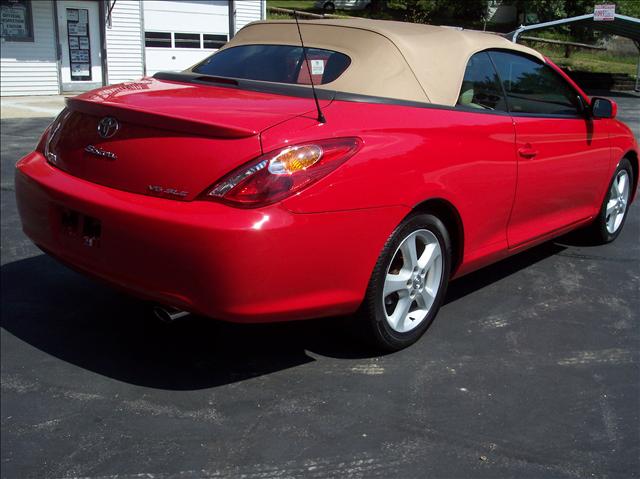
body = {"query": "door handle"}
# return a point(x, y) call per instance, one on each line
point(527, 151)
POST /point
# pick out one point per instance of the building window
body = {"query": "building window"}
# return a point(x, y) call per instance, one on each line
point(184, 40)
point(213, 41)
point(187, 40)
point(157, 39)
point(16, 21)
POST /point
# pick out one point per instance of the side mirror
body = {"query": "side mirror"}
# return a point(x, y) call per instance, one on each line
point(603, 108)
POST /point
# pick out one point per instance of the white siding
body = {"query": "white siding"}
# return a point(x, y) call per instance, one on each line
point(30, 68)
point(194, 16)
point(248, 11)
point(124, 42)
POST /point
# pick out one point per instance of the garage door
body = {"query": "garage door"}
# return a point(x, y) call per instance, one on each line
point(180, 33)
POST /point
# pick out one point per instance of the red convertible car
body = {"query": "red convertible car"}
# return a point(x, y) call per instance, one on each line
point(229, 191)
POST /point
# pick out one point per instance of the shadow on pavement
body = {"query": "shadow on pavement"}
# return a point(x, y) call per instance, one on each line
point(92, 326)
point(497, 271)
point(88, 324)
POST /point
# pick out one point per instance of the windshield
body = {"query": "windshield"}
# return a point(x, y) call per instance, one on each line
point(275, 63)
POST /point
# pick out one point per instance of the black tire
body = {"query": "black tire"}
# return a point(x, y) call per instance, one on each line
point(597, 232)
point(373, 324)
point(329, 7)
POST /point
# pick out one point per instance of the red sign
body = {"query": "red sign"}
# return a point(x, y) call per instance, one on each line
point(604, 13)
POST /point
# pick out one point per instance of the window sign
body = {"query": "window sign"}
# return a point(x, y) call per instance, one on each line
point(76, 28)
point(80, 70)
point(80, 56)
point(16, 23)
point(72, 15)
point(79, 43)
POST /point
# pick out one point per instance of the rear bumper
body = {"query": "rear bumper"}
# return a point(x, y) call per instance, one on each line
point(266, 264)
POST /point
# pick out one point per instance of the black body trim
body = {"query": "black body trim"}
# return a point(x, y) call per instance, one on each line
point(241, 84)
point(323, 94)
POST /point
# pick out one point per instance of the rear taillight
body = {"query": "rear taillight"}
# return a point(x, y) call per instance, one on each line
point(43, 140)
point(45, 145)
point(281, 173)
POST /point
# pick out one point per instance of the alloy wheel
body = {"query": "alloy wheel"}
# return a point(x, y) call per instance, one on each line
point(412, 280)
point(617, 202)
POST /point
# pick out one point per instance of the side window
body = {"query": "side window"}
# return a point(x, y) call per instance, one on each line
point(481, 86)
point(533, 87)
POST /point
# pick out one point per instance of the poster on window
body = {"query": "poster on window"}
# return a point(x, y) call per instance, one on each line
point(15, 21)
point(76, 28)
point(72, 15)
point(73, 43)
point(80, 56)
point(80, 70)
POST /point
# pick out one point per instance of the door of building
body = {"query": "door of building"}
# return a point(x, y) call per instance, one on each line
point(79, 37)
point(181, 34)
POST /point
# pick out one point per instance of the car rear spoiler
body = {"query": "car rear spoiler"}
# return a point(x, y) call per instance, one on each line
point(157, 119)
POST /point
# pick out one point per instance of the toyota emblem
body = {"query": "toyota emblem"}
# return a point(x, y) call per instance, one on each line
point(108, 126)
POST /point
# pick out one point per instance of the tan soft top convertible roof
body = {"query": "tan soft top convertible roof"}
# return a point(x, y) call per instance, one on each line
point(406, 61)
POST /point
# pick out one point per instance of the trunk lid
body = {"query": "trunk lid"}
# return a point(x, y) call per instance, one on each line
point(171, 139)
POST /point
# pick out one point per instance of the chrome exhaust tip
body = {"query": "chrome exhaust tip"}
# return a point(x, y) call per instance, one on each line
point(169, 315)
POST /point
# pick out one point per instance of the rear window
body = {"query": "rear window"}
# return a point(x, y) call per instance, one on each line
point(275, 63)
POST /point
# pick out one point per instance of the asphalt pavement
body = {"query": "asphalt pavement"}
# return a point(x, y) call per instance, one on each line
point(530, 370)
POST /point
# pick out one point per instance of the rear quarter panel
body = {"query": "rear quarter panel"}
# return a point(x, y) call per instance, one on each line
point(410, 155)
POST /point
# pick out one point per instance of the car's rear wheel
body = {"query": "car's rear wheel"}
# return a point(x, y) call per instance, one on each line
point(613, 212)
point(408, 283)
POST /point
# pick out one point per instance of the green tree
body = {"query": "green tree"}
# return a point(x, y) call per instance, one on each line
point(472, 12)
point(424, 11)
point(628, 7)
point(553, 9)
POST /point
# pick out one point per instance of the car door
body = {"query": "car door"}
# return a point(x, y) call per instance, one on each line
point(487, 178)
point(563, 155)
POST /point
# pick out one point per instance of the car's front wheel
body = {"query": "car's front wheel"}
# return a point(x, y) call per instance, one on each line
point(613, 212)
point(408, 283)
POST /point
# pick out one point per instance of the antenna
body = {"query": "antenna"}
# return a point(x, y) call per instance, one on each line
point(321, 118)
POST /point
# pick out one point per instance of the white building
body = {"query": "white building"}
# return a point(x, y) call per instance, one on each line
point(62, 46)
